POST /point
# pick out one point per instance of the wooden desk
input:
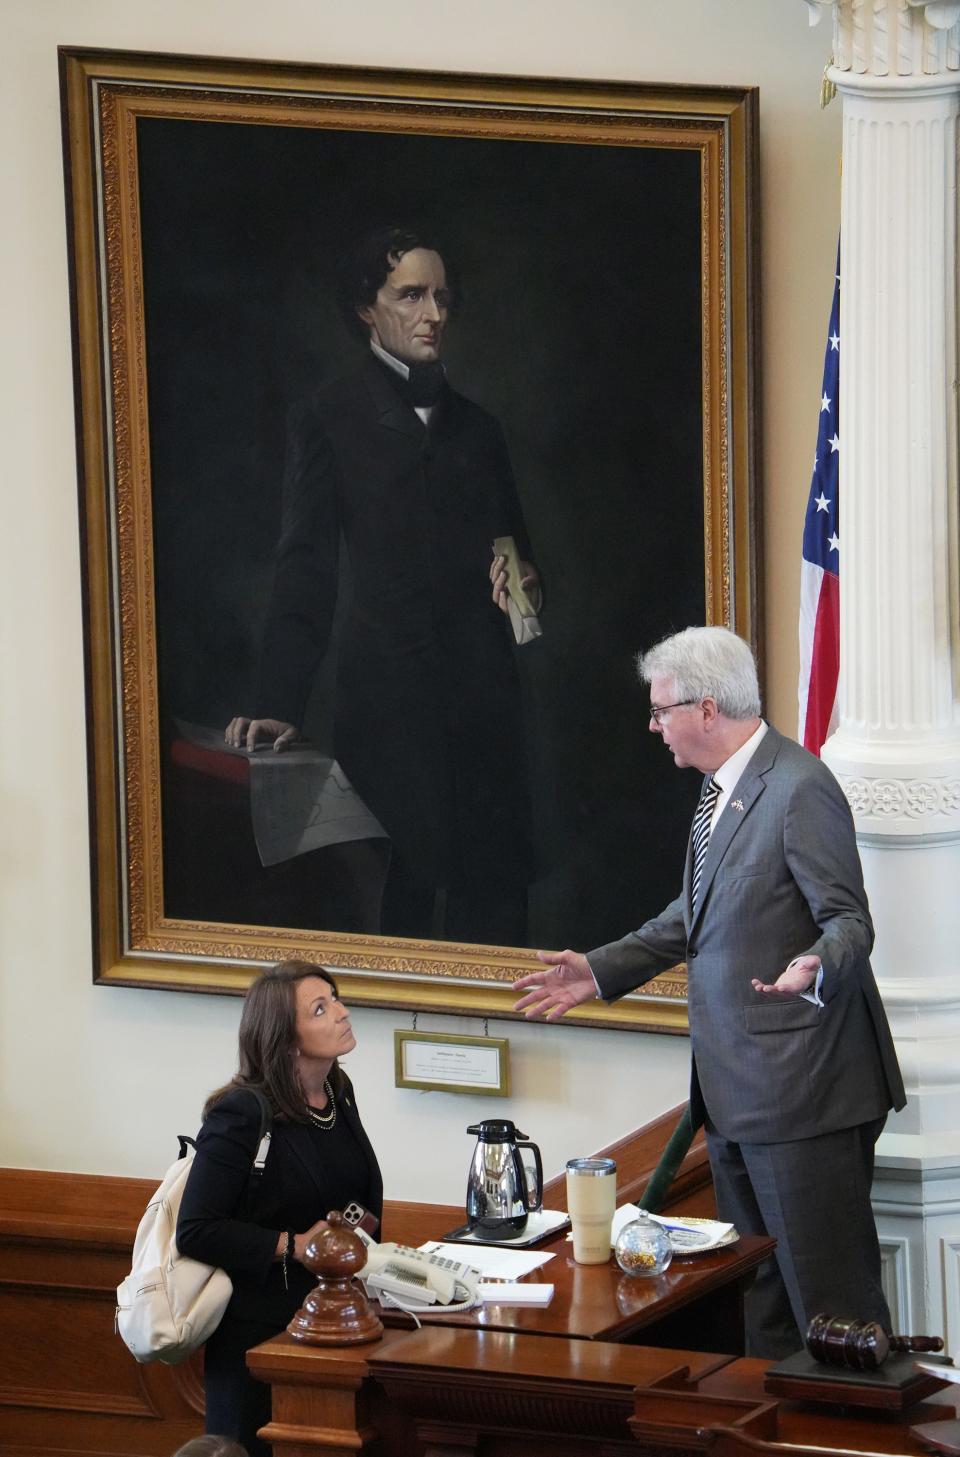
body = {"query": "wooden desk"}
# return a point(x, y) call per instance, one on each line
point(452, 1391)
point(445, 1392)
point(697, 1302)
point(345, 1400)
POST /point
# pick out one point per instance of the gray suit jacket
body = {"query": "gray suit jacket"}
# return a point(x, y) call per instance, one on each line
point(782, 878)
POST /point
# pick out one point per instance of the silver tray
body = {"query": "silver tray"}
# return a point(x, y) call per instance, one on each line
point(535, 1232)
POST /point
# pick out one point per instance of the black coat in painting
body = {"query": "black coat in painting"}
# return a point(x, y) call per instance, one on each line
point(427, 721)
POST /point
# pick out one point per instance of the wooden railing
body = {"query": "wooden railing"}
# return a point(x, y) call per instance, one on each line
point(638, 1154)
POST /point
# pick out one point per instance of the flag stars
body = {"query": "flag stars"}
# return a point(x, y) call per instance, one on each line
point(833, 542)
point(834, 341)
point(835, 444)
point(821, 502)
point(824, 403)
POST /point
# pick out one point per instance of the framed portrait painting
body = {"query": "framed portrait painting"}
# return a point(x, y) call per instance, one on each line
point(410, 407)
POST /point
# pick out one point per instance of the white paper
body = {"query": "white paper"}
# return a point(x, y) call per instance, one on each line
point(300, 799)
point(945, 1373)
point(713, 1229)
point(489, 1260)
point(623, 1216)
point(525, 629)
point(508, 1292)
point(450, 1062)
point(300, 803)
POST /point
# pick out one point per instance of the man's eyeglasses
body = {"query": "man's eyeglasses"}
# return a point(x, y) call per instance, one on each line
point(657, 713)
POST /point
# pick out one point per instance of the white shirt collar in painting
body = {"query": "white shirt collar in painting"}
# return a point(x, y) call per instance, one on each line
point(398, 366)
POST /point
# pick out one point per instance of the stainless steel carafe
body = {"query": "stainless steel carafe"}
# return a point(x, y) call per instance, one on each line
point(498, 1193)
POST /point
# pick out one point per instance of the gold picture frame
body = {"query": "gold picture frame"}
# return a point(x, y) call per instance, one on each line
point(195, 160)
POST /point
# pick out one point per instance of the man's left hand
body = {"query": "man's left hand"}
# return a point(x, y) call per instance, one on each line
point(799, 977)
point(529, 581)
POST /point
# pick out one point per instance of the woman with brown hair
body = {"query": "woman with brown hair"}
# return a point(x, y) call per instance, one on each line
point(293, 1031)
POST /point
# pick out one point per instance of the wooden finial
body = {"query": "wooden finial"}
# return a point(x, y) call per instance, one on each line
point(337, 1311)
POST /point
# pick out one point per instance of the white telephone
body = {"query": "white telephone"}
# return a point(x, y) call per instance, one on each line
point(413, 1279)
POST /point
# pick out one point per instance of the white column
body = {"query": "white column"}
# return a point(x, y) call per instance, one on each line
point(897, 748)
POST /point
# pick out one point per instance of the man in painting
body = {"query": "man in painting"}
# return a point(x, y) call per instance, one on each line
point(794, 1068)
point(414, 481)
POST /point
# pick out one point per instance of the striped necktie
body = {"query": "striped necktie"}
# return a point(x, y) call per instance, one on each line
point(700, 834)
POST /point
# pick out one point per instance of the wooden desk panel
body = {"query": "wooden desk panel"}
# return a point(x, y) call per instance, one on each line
point(805, 1427)
point(446, 1389)
point(445, 1392)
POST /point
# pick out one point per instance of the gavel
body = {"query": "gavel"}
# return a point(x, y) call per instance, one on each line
point(860, 1345)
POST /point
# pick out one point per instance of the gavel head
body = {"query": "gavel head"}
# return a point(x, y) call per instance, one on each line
point(859, 1345)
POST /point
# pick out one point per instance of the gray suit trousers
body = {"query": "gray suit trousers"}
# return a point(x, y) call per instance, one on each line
point(813, 1196)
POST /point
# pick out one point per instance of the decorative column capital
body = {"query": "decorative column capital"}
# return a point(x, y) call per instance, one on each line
point(894, 39)
point(941, 14)
point(890, 805)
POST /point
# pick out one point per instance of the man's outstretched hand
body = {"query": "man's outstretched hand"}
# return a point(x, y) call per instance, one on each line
point(565, 982)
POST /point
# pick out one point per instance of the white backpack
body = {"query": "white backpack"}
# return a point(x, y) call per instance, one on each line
point(169, 1305)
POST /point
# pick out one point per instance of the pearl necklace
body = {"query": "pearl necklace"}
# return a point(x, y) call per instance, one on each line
point(328, 1119)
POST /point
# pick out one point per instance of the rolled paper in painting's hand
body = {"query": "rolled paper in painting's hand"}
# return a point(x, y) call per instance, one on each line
point(520, 607)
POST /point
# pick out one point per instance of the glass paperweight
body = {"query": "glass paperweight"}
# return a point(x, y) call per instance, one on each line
point(643, 1247)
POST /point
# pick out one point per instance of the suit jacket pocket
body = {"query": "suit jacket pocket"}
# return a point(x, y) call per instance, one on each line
point(744, 871)
point(786, 1016)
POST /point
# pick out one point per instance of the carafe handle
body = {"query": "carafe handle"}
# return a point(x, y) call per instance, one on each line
point(538, 1199)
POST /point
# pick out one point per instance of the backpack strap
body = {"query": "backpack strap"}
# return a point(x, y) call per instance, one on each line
point(263, 1136)
point(266, 1126)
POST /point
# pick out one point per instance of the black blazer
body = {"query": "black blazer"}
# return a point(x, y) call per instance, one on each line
point(233, 1218)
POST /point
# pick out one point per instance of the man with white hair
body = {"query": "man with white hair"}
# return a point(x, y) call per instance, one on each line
point(793, 1064)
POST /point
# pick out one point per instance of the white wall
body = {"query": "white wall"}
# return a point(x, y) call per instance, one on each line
point(99, 1079)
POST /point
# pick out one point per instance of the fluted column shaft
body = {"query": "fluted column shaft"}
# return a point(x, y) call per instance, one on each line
point(898, 465)
point(897, 747)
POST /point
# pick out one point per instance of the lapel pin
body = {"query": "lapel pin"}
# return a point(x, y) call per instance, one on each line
point(738, 805)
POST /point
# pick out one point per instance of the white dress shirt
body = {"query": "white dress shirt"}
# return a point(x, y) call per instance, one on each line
point(727, 776)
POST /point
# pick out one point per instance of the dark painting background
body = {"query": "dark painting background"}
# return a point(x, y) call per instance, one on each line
point(579, 329)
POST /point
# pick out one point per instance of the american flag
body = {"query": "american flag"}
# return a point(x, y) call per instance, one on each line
point(820, 568)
